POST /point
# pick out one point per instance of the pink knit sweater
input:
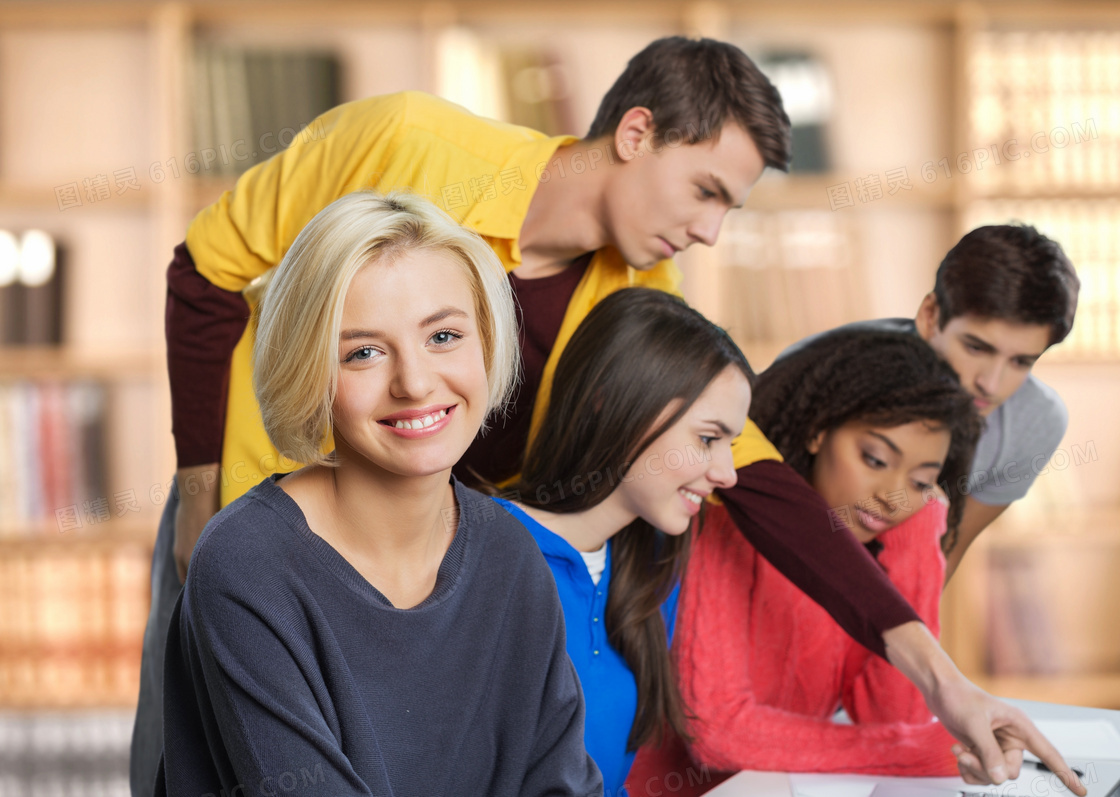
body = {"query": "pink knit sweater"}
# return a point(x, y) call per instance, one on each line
point(763, 669)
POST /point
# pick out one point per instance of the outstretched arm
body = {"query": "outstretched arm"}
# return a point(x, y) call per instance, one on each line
point(788, 523)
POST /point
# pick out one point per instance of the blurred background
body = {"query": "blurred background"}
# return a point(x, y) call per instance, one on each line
point(914, 122)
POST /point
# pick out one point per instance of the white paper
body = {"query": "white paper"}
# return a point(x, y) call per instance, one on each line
point(1094, 740)
point(894, 789)
point(753, 784)
point(824, 785)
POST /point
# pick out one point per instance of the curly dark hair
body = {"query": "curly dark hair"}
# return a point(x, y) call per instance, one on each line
point(884, 378)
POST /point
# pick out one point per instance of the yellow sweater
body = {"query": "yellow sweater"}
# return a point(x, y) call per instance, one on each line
point(480, 171)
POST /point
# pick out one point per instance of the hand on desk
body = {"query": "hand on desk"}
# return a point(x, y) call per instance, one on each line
point(992, 734)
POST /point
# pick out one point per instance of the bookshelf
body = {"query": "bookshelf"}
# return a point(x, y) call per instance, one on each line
point(125, 69)
point(75, 542)
point(1026, 613)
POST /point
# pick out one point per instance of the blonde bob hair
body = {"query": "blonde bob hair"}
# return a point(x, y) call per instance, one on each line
point(299, 318)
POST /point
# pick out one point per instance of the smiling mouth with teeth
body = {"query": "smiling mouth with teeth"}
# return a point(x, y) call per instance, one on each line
point(695, 498)
point(418, 423)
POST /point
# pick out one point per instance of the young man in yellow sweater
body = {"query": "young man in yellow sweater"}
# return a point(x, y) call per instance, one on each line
point(678, 141)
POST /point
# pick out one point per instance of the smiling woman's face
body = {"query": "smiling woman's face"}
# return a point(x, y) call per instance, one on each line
point(412, 387)
point(668, 481)
point(875, 476)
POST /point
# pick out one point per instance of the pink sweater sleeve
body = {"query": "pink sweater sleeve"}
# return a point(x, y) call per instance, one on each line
point(738, 733)
point(724, 664)
point(876, 692)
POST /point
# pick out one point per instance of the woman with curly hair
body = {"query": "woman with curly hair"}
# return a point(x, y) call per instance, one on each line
point(875, 422)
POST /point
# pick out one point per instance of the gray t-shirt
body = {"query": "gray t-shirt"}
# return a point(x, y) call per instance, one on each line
point(1020, 436)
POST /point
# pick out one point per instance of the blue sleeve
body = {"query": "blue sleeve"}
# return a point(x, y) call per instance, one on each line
point(669, 611)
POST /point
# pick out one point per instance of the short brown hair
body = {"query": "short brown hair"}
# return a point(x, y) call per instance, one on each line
point(1011, 272)
point(695, 86)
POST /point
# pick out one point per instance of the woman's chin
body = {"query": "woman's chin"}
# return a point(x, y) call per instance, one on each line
point(864, 536)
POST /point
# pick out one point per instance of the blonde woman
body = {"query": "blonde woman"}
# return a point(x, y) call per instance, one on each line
point(367, 625)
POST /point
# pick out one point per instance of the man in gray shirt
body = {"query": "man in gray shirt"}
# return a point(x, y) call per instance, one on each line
point(1003, 295)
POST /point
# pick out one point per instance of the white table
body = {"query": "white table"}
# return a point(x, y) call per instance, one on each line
point(777, 784)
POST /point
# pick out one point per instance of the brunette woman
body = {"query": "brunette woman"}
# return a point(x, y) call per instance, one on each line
point(647, 398)
point(875, 422)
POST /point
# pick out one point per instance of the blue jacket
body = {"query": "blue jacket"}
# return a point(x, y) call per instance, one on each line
point(609, 689)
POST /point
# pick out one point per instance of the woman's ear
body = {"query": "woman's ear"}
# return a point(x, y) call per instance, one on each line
point(814, 444)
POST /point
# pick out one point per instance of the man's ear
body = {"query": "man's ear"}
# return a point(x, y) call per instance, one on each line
point(633, 133)
point(814, 445)
point(928, 319)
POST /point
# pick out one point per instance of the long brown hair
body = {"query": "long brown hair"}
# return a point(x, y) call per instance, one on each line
point(635, 354)
point(885, 378)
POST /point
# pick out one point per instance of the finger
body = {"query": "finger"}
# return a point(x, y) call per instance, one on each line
point(1014, 758)
point(992, 757)
point(1046, 752)
point(972, 770)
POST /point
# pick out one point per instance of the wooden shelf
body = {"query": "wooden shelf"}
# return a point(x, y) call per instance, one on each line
point(1081, 193)
point(43, 197)
point(1096, 691)
point(811, 192)
point(52, 362)
point(1095, 527)
point(139, 529)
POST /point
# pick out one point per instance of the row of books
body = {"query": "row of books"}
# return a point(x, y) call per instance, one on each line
point(65, 754)
point(31, 315)
point(1089, 233)
point(52, 452)
point(72, 624)
point(250, 104)
point(1049, 104)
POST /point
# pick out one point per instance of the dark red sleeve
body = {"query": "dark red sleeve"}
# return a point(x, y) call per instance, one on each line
point(203, 325)
point(788, 522)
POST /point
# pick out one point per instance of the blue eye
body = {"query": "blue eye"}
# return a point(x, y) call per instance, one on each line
point(706, 194)
point(707, 440)
point(446, 337)
point(362, 354)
